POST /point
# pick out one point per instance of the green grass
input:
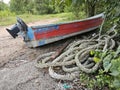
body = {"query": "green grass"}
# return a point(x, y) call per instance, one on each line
point(32, 18)
point(71, 17)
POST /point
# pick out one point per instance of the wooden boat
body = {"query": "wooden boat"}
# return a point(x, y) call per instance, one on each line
point(35, 36)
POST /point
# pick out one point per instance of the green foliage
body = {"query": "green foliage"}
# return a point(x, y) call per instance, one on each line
point(28, 6)
point(107, 62)
point(96, 82)
point(115, 71)
point(91, 7)
point(70, 17)
point(21, 6)
point(96, 55)
point(15, 6)
point(43, 7)
point(109, 75)
point(5, 13)
point(104, 80)
point(111, 65)
point(87, 81)
point(3, 6)
point(77, 7)
point(96, 59)
point(112, 10)
point(116, 54)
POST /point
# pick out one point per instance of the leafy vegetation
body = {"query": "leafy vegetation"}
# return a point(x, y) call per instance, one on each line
point(96, 82)
point(5, 13)
point(109, 75)
point(3, 6)
point(111, 66)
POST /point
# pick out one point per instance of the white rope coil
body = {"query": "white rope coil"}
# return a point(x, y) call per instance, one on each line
point(75, 57)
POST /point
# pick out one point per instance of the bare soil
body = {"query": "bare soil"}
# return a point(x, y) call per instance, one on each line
point(17, 63)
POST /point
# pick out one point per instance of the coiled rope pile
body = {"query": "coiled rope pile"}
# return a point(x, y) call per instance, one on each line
point(75, 58)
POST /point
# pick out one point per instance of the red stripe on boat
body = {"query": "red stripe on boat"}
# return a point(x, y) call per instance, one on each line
point(69, 28)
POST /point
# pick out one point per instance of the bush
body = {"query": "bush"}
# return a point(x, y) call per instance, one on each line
point(6, 13)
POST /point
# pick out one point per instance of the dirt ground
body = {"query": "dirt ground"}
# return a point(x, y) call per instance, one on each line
point(17, 65)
